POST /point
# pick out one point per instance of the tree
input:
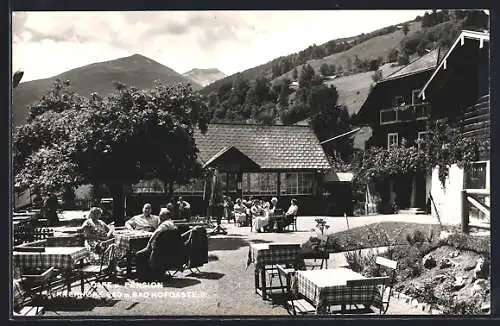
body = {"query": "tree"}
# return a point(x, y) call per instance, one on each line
point(406, 29)
point(393, 55)
point(374, 64)
point(377, 75)
point(114, 141)
point(295, 73)
point(324, 69)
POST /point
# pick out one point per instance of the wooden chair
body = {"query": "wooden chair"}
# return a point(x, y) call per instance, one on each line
point(94, 274)
point(35, 281)
point(367, 284)
point(293, 304)
point(293, 225)
point(272, 270)
point(387, 290)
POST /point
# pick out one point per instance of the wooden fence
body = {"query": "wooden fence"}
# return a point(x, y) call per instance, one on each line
point(469, 200)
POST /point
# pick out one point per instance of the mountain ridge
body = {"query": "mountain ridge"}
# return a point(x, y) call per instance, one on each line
point(135, 70)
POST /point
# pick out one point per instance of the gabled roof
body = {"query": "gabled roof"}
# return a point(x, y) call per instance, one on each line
point(427, 61)
point(271, 147)
point(228, 150)
point(465, 35)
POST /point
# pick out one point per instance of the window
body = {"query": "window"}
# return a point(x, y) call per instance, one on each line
point(260, 183)
point(421, 111)
point(414, 97)
point(388, 116)
point(405, 113)
point(398, 101)
point(194, 187)
point(475, 176)
point(422, 138)
point(149, 186)
point(392, 140)
point(297, 183)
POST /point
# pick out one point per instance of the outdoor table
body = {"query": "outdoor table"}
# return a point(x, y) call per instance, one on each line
point(62, 258)
point(327, 287)
point(131, 241)
point(262, 255)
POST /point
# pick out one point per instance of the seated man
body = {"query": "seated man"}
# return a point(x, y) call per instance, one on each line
point(291, 212)
point(145, 221)
point(144, 270)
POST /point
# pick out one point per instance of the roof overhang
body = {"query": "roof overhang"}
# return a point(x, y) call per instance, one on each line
point(472, 35)
point(231, 156)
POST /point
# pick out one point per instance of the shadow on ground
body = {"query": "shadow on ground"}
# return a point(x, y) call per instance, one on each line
point(259, 241)
point(226, 243)
point(207, 275)
point(180, 282)
point(213, 258)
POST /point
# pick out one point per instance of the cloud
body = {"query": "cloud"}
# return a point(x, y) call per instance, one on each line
point(229, 40)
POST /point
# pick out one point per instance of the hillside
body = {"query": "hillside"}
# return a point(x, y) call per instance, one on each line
point(379, 46)
point(136, 70)
point(266, 69)
point(204, 77)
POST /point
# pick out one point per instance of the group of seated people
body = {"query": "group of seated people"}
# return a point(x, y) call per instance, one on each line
point(96, 230)
point(261, 215)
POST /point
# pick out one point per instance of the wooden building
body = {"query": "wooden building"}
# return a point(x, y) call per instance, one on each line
point(459, 92)
point(397, 114)
point(253, 161)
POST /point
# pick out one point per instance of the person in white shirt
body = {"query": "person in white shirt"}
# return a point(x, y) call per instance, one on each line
point(291, 212)
point(145, 221)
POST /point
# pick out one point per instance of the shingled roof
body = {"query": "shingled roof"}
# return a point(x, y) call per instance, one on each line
point(427, 61)
point(271, 147)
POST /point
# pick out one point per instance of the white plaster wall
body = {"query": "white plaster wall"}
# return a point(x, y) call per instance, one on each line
point(448, 198)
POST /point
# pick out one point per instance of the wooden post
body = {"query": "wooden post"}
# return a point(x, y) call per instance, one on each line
point(465, 212)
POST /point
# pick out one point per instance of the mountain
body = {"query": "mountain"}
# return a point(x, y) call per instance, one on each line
point(204, 77)
point(136, 70)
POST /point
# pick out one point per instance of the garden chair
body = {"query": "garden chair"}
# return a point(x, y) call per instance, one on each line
point(95, 274)
point(272, 270)
point(293, 225)
point(293, 303)
point(387, 290)
point(359, 290)
point(35, 281)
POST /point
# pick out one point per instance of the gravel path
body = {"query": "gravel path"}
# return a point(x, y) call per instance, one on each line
point(224, 287)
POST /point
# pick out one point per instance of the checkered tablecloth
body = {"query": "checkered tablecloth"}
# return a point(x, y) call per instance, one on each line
point(261, 254)
point(58, 257)
point(125, 238)
point(327, 287)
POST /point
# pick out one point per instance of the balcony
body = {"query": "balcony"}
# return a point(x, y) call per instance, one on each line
point(404, 113)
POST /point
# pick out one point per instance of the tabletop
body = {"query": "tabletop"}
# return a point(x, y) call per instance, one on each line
point(262, 254)
point(125, 238)
point(59, 257)
point(327, 287)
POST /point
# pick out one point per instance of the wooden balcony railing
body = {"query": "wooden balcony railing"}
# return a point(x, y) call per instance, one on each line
point(404, 113)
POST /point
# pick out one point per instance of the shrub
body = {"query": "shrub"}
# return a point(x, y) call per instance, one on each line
point(463, 307)
point(362, 263)
point(462, 241)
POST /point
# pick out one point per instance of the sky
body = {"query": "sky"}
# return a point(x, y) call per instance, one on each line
point(45, 44)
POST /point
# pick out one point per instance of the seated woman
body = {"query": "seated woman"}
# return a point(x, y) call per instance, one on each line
point(145, 221)
point(260, 214)
point(144, 271)
point(239, 210)
point(291, 212)
point(95, 230)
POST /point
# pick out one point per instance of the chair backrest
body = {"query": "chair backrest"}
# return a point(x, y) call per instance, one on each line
point(368, 281)
point(108, 256)
point(386, 262)
point(169, 250)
